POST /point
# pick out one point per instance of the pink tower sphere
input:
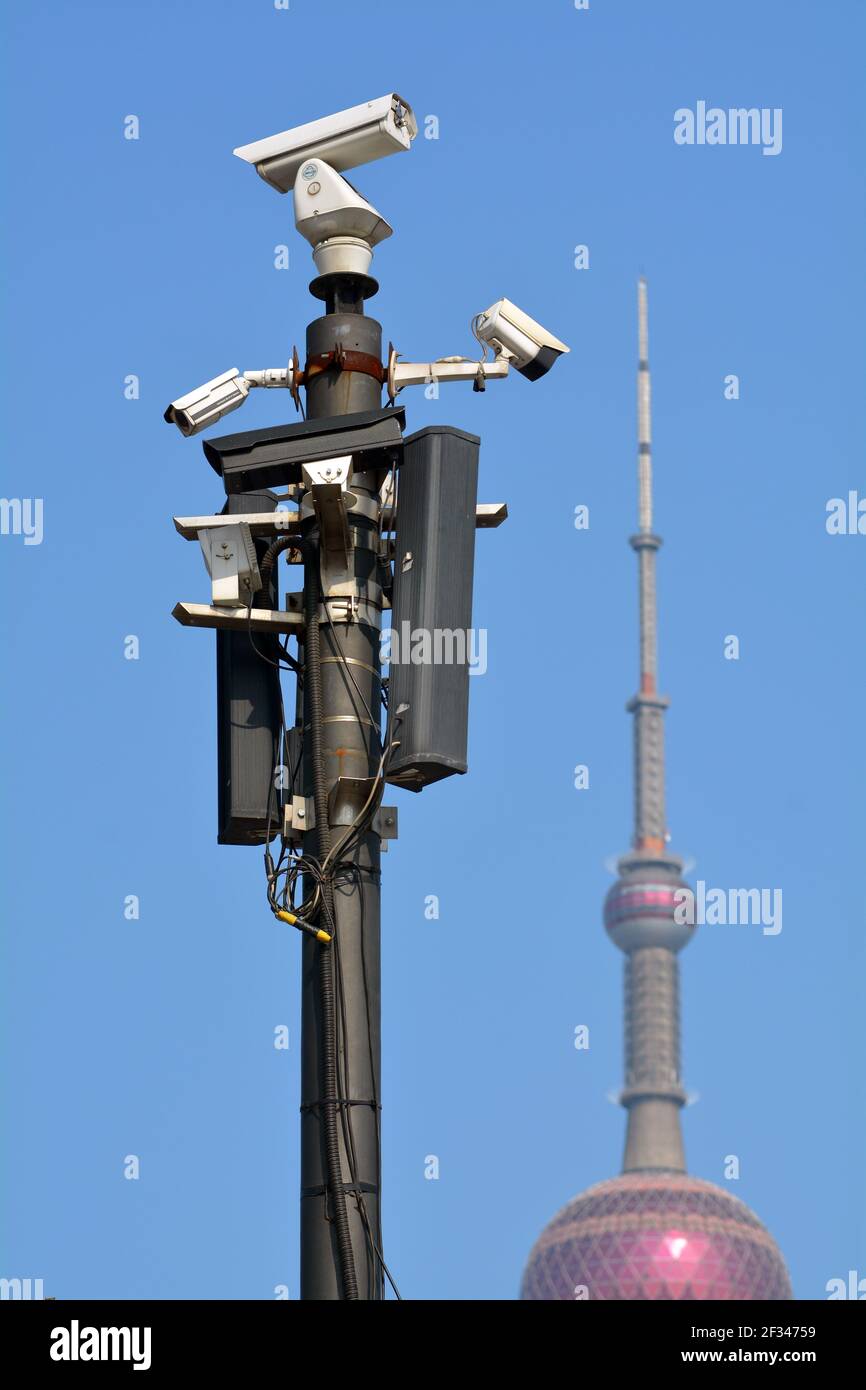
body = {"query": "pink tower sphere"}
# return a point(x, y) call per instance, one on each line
point(655, 1236)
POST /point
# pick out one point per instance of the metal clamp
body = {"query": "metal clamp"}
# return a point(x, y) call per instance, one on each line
point(328, 482)
point(345, 360)
point(347, 799)
point(349, 608)
point(385, 825)
point(299, 815)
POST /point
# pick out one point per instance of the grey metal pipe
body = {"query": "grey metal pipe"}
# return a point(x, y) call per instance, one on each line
point(350, 749)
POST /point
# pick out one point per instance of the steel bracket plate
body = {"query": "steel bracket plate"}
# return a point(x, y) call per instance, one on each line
point(299, 815)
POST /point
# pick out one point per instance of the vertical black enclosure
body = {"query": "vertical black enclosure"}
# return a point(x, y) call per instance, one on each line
point(431, 615)
point(249, 721)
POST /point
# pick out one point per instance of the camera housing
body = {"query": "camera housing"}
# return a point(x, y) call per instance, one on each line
point(521, 339)
point(355, 136)
point(230, 557)
point(205, 405)
point(209, 403)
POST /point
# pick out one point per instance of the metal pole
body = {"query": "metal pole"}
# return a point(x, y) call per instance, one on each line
point(351, 685)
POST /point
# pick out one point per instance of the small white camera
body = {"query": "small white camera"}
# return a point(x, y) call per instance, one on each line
point(205, 405)
point(209, 403)
point(345, 140)
point(520, 339)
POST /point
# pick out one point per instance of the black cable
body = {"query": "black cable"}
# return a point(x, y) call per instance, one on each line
point(265, 577)
point(300, 543)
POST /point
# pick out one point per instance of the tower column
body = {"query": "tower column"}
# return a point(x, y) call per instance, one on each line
point(653, 1091)
point(650, 826)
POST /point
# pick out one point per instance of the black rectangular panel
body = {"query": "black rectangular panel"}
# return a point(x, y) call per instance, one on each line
point(431, 616)
point(274, 457)
point(249, 720)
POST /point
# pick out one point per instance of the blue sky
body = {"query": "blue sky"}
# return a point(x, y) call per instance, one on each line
point(154, 257)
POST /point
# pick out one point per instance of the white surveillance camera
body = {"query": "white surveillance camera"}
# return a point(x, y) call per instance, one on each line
point(517, 337)
point(209, 403)
point(230, 556)
point(205, 405)
point(345, 140)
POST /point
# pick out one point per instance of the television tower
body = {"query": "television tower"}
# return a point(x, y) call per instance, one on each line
point(654, 1232)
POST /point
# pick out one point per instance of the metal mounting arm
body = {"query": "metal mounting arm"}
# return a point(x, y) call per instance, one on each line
point(444, 369)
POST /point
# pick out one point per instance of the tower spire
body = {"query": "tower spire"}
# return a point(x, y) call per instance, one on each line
point(639, 912)
point(647, 706)
point(644, 414)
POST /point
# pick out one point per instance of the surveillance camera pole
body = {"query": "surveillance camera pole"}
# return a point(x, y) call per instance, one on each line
point(350, 686)
point(335, 813)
